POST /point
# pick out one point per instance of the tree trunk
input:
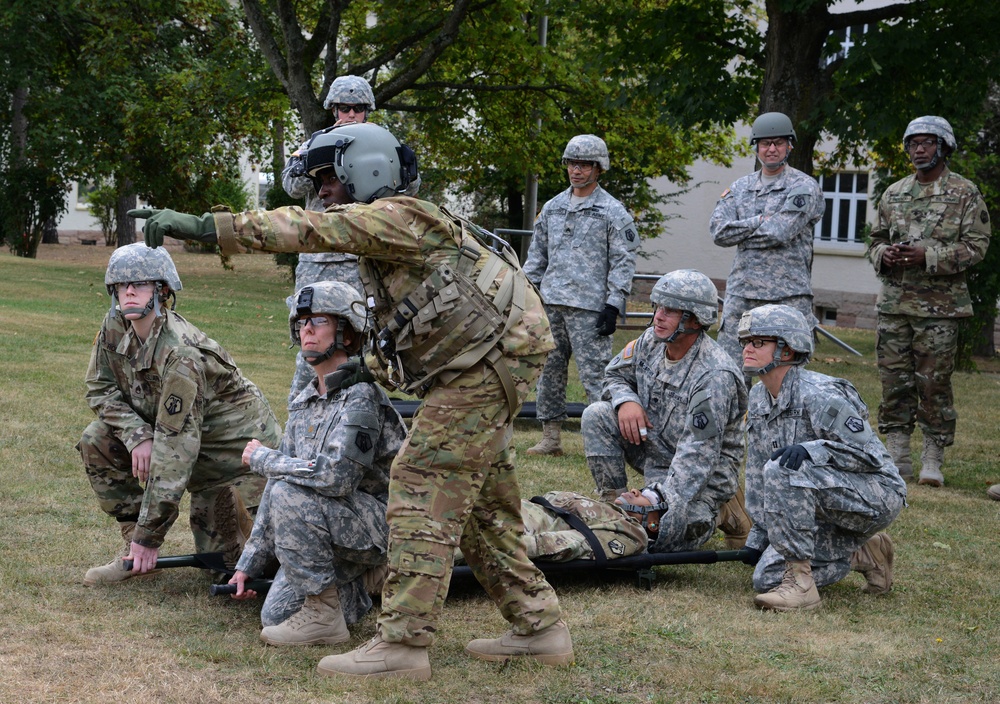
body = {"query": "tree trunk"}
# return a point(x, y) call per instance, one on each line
point(124, 223)
point(794, 81)
point(50, 233)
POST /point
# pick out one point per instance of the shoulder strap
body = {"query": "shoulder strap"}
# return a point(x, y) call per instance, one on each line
point(577, 524)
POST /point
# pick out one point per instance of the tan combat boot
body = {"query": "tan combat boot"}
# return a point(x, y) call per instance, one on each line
point(550, 443)
point(114, 572)
point(898, 445)
point(379, 658)
point(234, 524)
point(930, 463)
point(550, 646)
point(320, 621)
point(874, 561)
point(734, 521)
point(797, 591)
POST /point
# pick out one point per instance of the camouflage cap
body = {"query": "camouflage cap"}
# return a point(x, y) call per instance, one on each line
point(331, 297)
point(690, 290)
point(782, 322)
point(770, 125)
point(588, 147)
point(931, 124)
point(349, 90)
point(137, 262)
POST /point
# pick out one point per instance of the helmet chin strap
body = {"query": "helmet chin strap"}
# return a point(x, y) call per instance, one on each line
point(780, 163)
point(681, 330)
point(774, 364)
point(314, 358)
point(929, 166)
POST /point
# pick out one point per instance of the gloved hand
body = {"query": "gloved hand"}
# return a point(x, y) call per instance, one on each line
point(607, 321)
point(750, 556)
point(353, 371)
point(791, 456)
point(170, 223)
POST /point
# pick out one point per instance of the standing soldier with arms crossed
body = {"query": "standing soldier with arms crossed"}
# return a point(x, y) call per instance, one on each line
point(768, 216)
point(931, 227)
point(581, 259)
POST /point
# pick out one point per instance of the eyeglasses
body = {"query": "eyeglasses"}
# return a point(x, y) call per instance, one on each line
point(583, 166)
point(138, 286)
point(356, 109)
point(768, 143)
point(757, 342)
point(914, 144)
point(316, 321)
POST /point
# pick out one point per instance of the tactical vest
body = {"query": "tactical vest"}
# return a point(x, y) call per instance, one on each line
point(449, 322)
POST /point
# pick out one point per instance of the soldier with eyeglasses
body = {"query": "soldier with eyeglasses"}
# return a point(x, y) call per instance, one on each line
point(769, 217)
point(930, 228)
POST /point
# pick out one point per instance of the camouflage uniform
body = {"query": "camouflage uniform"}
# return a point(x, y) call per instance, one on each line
point(845, 492)
point(183, 391)
point(322, 515)
point(919, 308)
point(453, 482)
point(575, 246)
point(550, 538)
point(771, 226)
point(693, 452)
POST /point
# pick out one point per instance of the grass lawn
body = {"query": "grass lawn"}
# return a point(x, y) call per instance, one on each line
point(694, 637)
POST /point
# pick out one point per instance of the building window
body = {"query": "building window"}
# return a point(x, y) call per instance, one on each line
point(841, 41)
point(846, 196)
point(83, 191)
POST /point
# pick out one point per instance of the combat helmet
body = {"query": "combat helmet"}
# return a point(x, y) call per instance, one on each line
point(367, 159)
point(137, 262)
point(785, 324)
point(332, 298)
point(349, 90)
point(771, 125)
point(937, 126)
point(689, 291)
point(587, 147)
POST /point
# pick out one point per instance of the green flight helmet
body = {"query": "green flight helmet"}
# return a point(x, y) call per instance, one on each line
point(367, 159)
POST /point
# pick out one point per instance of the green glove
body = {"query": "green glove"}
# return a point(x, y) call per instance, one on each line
point(170, 223)
point(351, 372)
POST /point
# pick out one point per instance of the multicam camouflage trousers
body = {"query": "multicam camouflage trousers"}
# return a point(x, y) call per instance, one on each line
point(452, 484)
point(574, 331)
point(109, 468)
point(916, 357)
point(734, 308)
point(819, 514)
point(307, 272)
point(321, 541)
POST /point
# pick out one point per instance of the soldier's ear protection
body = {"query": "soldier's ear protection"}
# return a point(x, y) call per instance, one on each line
point(408, 165)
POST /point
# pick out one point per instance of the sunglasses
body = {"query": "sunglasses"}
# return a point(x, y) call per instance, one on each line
point(356, 109)
point(317, 322)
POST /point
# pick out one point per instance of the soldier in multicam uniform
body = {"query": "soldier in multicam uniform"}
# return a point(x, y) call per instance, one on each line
point(351, 100)
point(458, 324)
point(673, 409)
point(769, 217)
point(174, 414)
point(322, 515)
point(820, 484)
point(931, 227)
point(581, 259)
point(551, 532)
